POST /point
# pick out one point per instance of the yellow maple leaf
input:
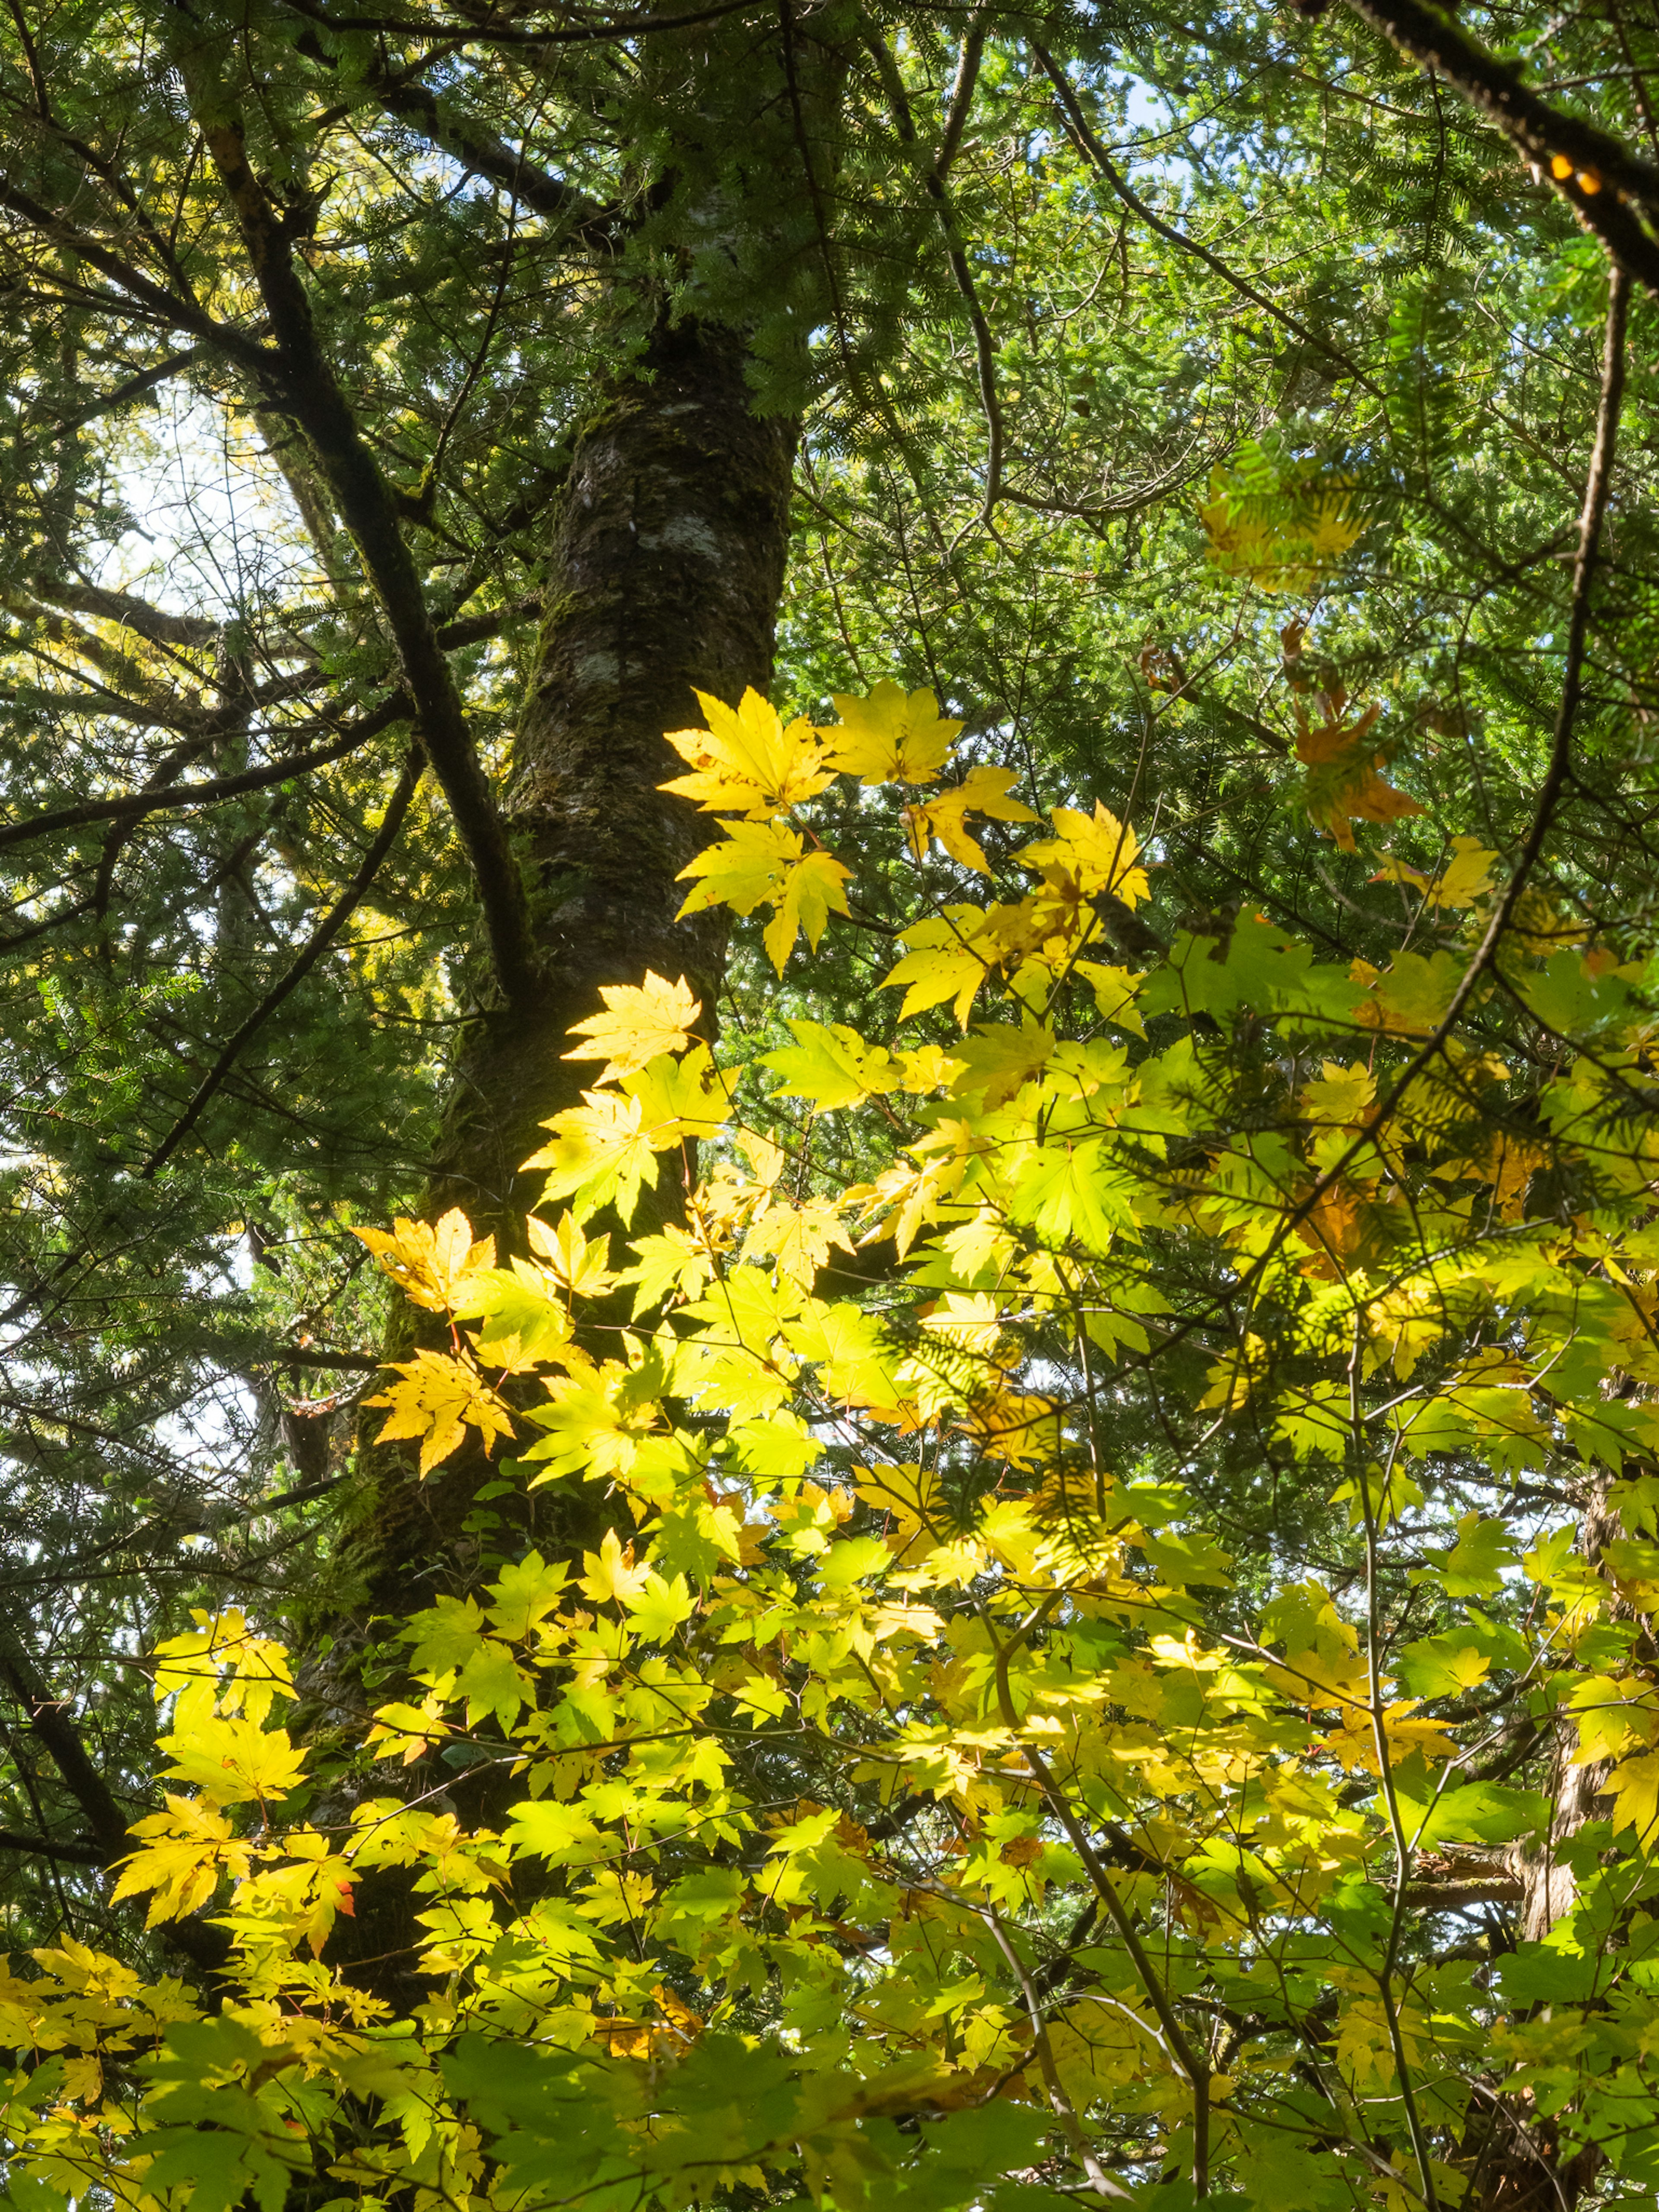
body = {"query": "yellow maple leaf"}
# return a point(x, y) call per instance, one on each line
point(594, 1420)
point(437, 1400)
point(764, 863)
point(941, 963)
point(890, 737)
point(1411, 999)
point(610, 1572)
point(431, 1262)
point(1465, 877)
point(1338, 1096)
point(1115, 992)
point(747, 761)
point(605, 1149)
point(188, 1666)
point(83, 2079)
point(1635, 1786)
point(184, 1850)
point(998, 1058)
point(639, 1022)
point(982, 791)
point(813, 889)
point(801, 1238)
point(1343, 786)
point(600, 1153)
point(1097, 849)
point(747, 866)
point(234, 1762)
point(1355, 1742)
point(580, 1265)
point(927, 1067)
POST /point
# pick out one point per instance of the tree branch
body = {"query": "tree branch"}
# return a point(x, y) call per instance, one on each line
point(163, 308)
point(396, 708)
point(305, 386)
point(486, 156)
point(956, 254)
point(46, 1847)
point(499, 34)
point(1087, 142)
point(132, 613)
point(1599, 174)
point(135, 387)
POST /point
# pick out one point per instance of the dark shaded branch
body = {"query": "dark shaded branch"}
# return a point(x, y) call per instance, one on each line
point(956, 253)
point(324, 934)
point(305, 386)
point(1494, 87)
point(134, 614)
point(164, 308)
point(46, 1847)
point(486, 156)
point(1605, 175)
point(394, 709)
point(51, 1724)
point(500, 35)
point(64, 914)
point(962, 94)
point(363, 1363)
point(135, 387)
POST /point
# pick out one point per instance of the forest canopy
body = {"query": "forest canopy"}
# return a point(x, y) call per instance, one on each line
point(829, 1264)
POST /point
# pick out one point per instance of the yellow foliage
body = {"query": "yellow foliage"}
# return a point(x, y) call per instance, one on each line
point(639, 1022)
point(746, 762)
point(438, 1400)
point(433, 1264)
point(890, 737)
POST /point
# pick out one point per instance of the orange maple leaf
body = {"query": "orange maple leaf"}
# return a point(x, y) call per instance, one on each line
point(1343, 786)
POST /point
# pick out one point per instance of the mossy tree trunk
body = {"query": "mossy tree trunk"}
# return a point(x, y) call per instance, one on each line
point(666, 573)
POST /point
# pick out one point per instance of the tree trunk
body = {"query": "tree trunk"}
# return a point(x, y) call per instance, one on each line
point(666, 569)
point(667, 565)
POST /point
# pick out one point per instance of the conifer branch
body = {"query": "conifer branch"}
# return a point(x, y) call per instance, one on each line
point(962, 274)
point(324, 934)
point(129, 808)
point(1088, 144)
point(1594, 172)
point(584, 220)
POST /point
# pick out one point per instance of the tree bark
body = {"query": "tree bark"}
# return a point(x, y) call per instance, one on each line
point(666, 568)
